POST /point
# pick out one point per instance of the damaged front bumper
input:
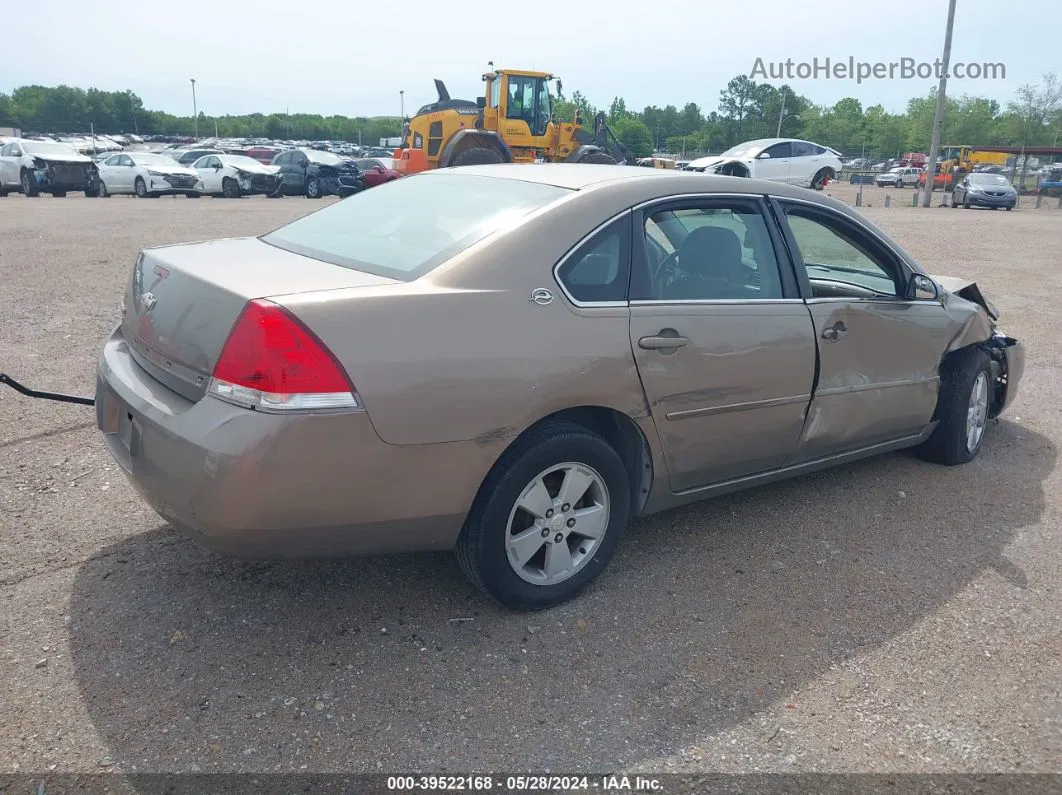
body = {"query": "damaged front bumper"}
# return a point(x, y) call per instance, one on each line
point(51, 177)
point(1008, 360)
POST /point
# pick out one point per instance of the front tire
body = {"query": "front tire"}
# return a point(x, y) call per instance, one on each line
point(962, 409)
point(29, 185)
point(230, 188)
point(140, 187)
point(547, 519)
point(313, 188)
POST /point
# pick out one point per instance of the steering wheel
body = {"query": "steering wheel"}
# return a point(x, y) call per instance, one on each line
point(667, 271)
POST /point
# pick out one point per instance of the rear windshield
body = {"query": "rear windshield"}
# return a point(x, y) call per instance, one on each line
point(405, 228)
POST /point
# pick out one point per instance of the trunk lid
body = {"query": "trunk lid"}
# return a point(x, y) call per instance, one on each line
point(182, 301)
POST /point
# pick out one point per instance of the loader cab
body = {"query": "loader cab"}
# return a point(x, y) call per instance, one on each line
point(518, 105)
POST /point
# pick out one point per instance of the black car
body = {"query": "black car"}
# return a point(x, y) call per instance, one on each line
point(984, 190)
point(312, 173)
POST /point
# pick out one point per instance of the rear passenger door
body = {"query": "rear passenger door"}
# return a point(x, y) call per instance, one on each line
point(724, 346)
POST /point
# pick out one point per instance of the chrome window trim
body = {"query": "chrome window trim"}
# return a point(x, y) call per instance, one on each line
point(582, 241)
point(679, 197)
point(716, 301)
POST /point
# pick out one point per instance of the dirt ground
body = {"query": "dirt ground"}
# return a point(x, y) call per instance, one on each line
point(889, 615)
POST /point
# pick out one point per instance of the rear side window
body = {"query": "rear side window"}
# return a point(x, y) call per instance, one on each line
point(599, 270)
point(405, 228)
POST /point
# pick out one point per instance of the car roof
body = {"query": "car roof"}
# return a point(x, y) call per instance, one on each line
point(656, 182)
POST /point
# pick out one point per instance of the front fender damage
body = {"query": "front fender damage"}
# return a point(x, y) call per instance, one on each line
point(976, 317)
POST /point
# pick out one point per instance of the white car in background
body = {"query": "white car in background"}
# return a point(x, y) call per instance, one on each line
point(898, 177)
point(233, 176)
point(146, 174)
point(788, 160)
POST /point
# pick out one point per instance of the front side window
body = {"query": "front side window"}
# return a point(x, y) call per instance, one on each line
point(840, 262)
point(405, 228)
point(781, 150)
point(714, 252)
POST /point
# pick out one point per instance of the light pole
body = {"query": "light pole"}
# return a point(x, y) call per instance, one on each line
point(402, 99)
point(781, 114)
point(938, 117)
point(195, 110)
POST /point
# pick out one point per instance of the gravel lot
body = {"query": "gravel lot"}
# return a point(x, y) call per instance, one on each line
point(885, 616)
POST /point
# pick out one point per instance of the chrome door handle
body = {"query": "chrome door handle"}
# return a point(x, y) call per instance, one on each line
point(662, 343)
point(835, 332)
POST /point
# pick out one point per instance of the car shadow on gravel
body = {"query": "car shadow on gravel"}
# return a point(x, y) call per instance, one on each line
point(189, 661)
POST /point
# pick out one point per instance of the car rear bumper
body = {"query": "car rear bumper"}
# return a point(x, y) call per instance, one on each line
point(255, 484)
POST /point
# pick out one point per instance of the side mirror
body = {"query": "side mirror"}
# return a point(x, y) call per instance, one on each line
point(481, 102)
point(922, 288)
point(217, 166)
point(763, 156)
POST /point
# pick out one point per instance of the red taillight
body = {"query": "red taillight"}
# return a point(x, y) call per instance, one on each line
point(271, 361)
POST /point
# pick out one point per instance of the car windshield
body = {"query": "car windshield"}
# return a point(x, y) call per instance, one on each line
point(47, 148)
point(324, 158)
point(146, 159)
point(405, 228)
point(988, 179)
point(747, 149)
point(239, 161)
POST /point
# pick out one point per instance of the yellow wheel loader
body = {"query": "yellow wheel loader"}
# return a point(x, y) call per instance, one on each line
point(513, 122)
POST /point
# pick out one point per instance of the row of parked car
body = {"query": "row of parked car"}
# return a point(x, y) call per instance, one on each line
point(32, 167)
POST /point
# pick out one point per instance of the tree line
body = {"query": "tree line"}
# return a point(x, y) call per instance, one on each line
point(744, 111)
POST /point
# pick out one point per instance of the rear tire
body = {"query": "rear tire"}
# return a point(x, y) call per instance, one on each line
point(478, 156)
point(547, 456)
point(818, 182)
point(963, 407)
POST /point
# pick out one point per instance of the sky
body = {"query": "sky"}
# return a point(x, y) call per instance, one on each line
point(353, 58)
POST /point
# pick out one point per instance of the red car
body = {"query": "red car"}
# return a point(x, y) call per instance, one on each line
point(264, 154)
point(376, 171)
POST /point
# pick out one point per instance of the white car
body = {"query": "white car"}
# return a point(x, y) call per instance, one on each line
point(898, 177)
point(233, 176)
point(34, 167)
point(788, 160)
point(146, 174)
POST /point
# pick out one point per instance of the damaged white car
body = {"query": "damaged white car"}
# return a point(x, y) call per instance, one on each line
point(233, 176)
point(788, 160)
point(35, 167)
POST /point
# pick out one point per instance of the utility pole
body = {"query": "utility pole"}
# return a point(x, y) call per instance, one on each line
point(195, 110)
point(938, 117)
point(781, 114)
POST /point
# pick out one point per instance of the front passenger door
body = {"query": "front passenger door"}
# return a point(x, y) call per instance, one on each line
point(879, 351)
point(775, 166)
point(724, 345)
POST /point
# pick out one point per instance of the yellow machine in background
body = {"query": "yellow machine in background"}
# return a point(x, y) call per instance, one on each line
point(513, 122)
point(657, 162)
point(967, 157)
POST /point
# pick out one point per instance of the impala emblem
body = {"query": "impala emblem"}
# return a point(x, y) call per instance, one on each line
point(541, 296)
point(149, 301)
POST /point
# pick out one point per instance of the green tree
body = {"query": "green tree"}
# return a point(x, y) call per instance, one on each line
point(634, 135)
